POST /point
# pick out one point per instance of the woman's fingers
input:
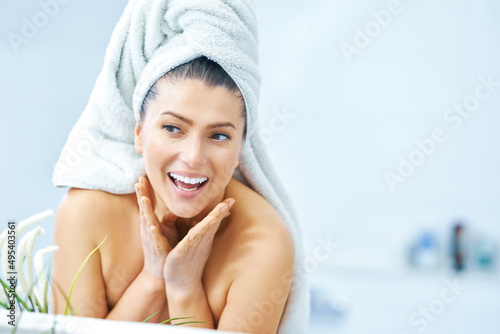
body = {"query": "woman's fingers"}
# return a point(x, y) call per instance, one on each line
point(207, 228)
point(148, 218)
point(184, 264)
point(211, 221)
point(139, 203)
point(167, 225)
point(148, 191)
point(159, 241)
point(146, 202)
point(169, 217)
point(138, 194)
point(146, 186)
point(154, 243)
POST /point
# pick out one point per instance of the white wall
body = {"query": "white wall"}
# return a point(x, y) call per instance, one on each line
point(45, 85)
point(353, 119)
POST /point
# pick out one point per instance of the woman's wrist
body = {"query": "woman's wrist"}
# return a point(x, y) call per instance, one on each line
point(182, 294)
point(151, 282)
point(192, 301)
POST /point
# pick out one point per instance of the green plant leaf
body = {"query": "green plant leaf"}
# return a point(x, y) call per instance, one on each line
point(16, 295)
point(171, 319)
point(61, 291)
point(4, 290)
point(191, 322)
point(179, 318)
point(78, 275)
point(31, 301)
point(152, 315)
point(39, 305)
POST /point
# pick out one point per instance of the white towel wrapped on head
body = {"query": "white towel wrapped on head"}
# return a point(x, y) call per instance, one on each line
point(151, 38)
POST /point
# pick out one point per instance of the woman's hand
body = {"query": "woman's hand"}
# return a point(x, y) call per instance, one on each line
point(158, 238)
point(184, 265)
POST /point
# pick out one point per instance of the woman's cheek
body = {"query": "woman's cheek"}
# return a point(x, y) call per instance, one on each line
point(228, 169)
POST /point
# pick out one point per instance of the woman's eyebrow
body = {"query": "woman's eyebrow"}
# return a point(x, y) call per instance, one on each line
point(182, 118)
point(190, 122)
point(218, 125)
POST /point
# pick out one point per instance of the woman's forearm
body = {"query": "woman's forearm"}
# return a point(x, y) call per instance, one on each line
point(190, 303)
point(143, 297)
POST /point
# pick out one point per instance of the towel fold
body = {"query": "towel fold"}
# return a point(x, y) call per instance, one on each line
point(151, 38)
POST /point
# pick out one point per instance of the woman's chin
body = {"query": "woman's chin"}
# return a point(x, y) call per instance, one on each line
point(185, 211)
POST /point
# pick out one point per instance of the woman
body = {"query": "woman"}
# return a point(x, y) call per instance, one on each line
point(192, 241)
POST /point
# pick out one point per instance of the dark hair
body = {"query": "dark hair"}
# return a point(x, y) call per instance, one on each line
point(202, 69)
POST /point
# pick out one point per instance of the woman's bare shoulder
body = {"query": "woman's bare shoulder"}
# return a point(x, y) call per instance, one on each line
point(252, 207)
point(84, 218)
point(256, 223)
point(258, 250)
point(92, 209)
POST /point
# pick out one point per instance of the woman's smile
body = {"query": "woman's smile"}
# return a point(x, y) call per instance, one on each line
point(187, 184)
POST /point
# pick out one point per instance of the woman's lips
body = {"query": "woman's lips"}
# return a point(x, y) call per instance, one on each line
point(187, 186)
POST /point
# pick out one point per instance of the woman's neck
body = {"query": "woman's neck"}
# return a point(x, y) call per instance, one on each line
point(190, 222)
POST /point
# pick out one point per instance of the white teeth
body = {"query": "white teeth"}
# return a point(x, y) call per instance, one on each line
point(188, 179)
point(187, 189)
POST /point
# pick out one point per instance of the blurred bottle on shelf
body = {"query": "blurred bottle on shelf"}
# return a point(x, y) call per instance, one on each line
point(484, 252)
point(424, 253)
point(458, 247)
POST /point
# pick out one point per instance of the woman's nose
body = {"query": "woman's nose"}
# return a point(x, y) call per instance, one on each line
point(193, 153)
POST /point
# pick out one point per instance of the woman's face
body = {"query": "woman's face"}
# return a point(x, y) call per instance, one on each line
point(190, 140)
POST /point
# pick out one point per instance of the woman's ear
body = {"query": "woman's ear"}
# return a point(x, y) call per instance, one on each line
point(138, 136)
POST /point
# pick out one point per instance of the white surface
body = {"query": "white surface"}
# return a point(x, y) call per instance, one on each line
point(35, 323)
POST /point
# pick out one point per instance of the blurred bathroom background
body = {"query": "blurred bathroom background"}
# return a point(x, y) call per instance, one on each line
point(380, 116)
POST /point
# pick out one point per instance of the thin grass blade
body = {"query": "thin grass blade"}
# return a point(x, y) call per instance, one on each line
point(75, 279)
point(191, 322)
point(152, 315)
point(172, 319)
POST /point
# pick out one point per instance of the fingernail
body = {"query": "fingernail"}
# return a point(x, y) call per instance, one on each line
point(137, 189)
point(141, 180)
point(224, 208)
point(231, 202)
point(212, 222)
point(143, 202)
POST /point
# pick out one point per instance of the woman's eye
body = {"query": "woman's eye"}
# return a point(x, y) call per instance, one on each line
point(220, 137)
point(171, 128)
